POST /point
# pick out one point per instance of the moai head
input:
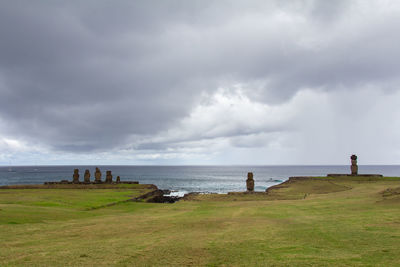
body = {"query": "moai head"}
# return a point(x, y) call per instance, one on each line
point(76, 176)
point(118, 179)
point(108, 177)
point(250, 182)
point(354, 167)
point(87, 176)
point(97, 175)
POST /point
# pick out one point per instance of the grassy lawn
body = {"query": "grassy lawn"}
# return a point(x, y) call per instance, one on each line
point(334, 222)
point(20, 206)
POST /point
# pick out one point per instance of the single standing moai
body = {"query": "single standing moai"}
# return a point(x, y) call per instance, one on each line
point(108, 177)
point(250, 182)
point(354, 167)
point(97, 176)
point(87, 176)
point(118, 179)
point(75, 177)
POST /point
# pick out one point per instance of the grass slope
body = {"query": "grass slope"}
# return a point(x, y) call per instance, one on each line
point(316, 222)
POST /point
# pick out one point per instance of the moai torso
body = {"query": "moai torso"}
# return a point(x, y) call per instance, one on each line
point(108, 177)
point(87, 176)
point(354, 167)
point(75, 177)
point(118, 179)
point(250, 182)
point(97, 175)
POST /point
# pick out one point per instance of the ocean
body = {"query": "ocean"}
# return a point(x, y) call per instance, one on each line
point(184, 179)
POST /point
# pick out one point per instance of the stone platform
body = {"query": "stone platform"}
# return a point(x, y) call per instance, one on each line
point(84, 183)
point(353, 175)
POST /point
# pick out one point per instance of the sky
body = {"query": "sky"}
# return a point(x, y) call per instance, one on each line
point(199, 82)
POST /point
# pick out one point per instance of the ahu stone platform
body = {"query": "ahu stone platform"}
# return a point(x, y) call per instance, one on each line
point(353, 175)
point(83, 183)
point(354, 170)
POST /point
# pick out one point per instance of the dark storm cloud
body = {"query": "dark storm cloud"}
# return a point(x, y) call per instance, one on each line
point(89, 75)
point(81, 77)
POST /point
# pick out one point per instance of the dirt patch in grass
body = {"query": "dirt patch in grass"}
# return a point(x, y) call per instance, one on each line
point(390, 192)
point(391, 195)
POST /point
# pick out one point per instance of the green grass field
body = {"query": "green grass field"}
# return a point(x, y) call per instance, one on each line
point(321, 222)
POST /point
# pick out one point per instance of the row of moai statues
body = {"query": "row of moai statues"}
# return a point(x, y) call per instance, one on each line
point(97, 176)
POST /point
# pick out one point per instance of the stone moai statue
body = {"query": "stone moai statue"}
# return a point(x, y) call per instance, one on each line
point(108, 177)
point(250, 182)
point(87, 176)
point(354, 167)
point(97, 175)
point(118, 179)
point(75, 177)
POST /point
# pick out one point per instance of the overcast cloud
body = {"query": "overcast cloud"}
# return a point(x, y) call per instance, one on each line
point(199, 82)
